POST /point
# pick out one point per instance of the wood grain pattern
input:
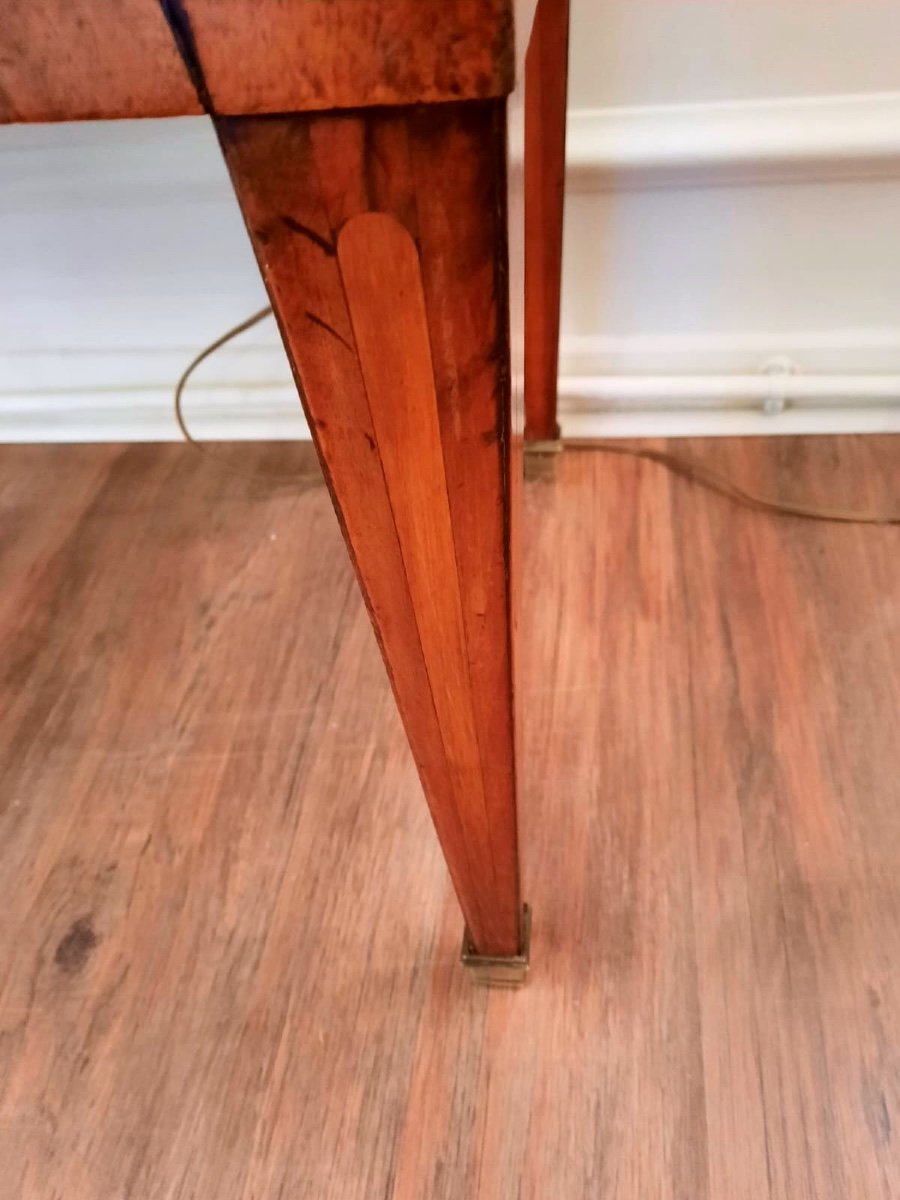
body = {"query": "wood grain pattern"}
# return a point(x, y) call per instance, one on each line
point(546, 90)
point(379, 266)
point(63, 60)
point(425, 539)
point(228, 959)
point(76, 59)
point(804, 774)
point(268, 56)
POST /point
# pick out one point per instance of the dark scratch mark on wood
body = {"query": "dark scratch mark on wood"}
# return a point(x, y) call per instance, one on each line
point(329, 329)
point(305, 231)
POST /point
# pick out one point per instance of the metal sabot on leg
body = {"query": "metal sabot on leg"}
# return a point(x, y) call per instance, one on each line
point(492, 971)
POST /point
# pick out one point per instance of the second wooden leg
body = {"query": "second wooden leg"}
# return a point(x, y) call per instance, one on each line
point(546, 85)
point(382, 240)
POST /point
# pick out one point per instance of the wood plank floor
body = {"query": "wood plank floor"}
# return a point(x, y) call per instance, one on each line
point(228, 945)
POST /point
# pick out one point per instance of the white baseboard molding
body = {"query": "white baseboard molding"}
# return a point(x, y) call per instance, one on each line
point(705, 423)
point(258, 413)
point(605, 412)
point(734, 142)
point(828, 381)
point(590, 406)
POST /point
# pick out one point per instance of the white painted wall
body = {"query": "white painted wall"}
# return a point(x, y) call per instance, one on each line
point(734, 195)
point(637, 52)
point(123, 253)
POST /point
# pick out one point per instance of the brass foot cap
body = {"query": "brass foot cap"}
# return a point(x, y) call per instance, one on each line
point(492, 971)
point(540, 446)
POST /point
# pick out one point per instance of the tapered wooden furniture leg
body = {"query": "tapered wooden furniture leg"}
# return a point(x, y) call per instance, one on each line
point(382, 239)
point(546, 85)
